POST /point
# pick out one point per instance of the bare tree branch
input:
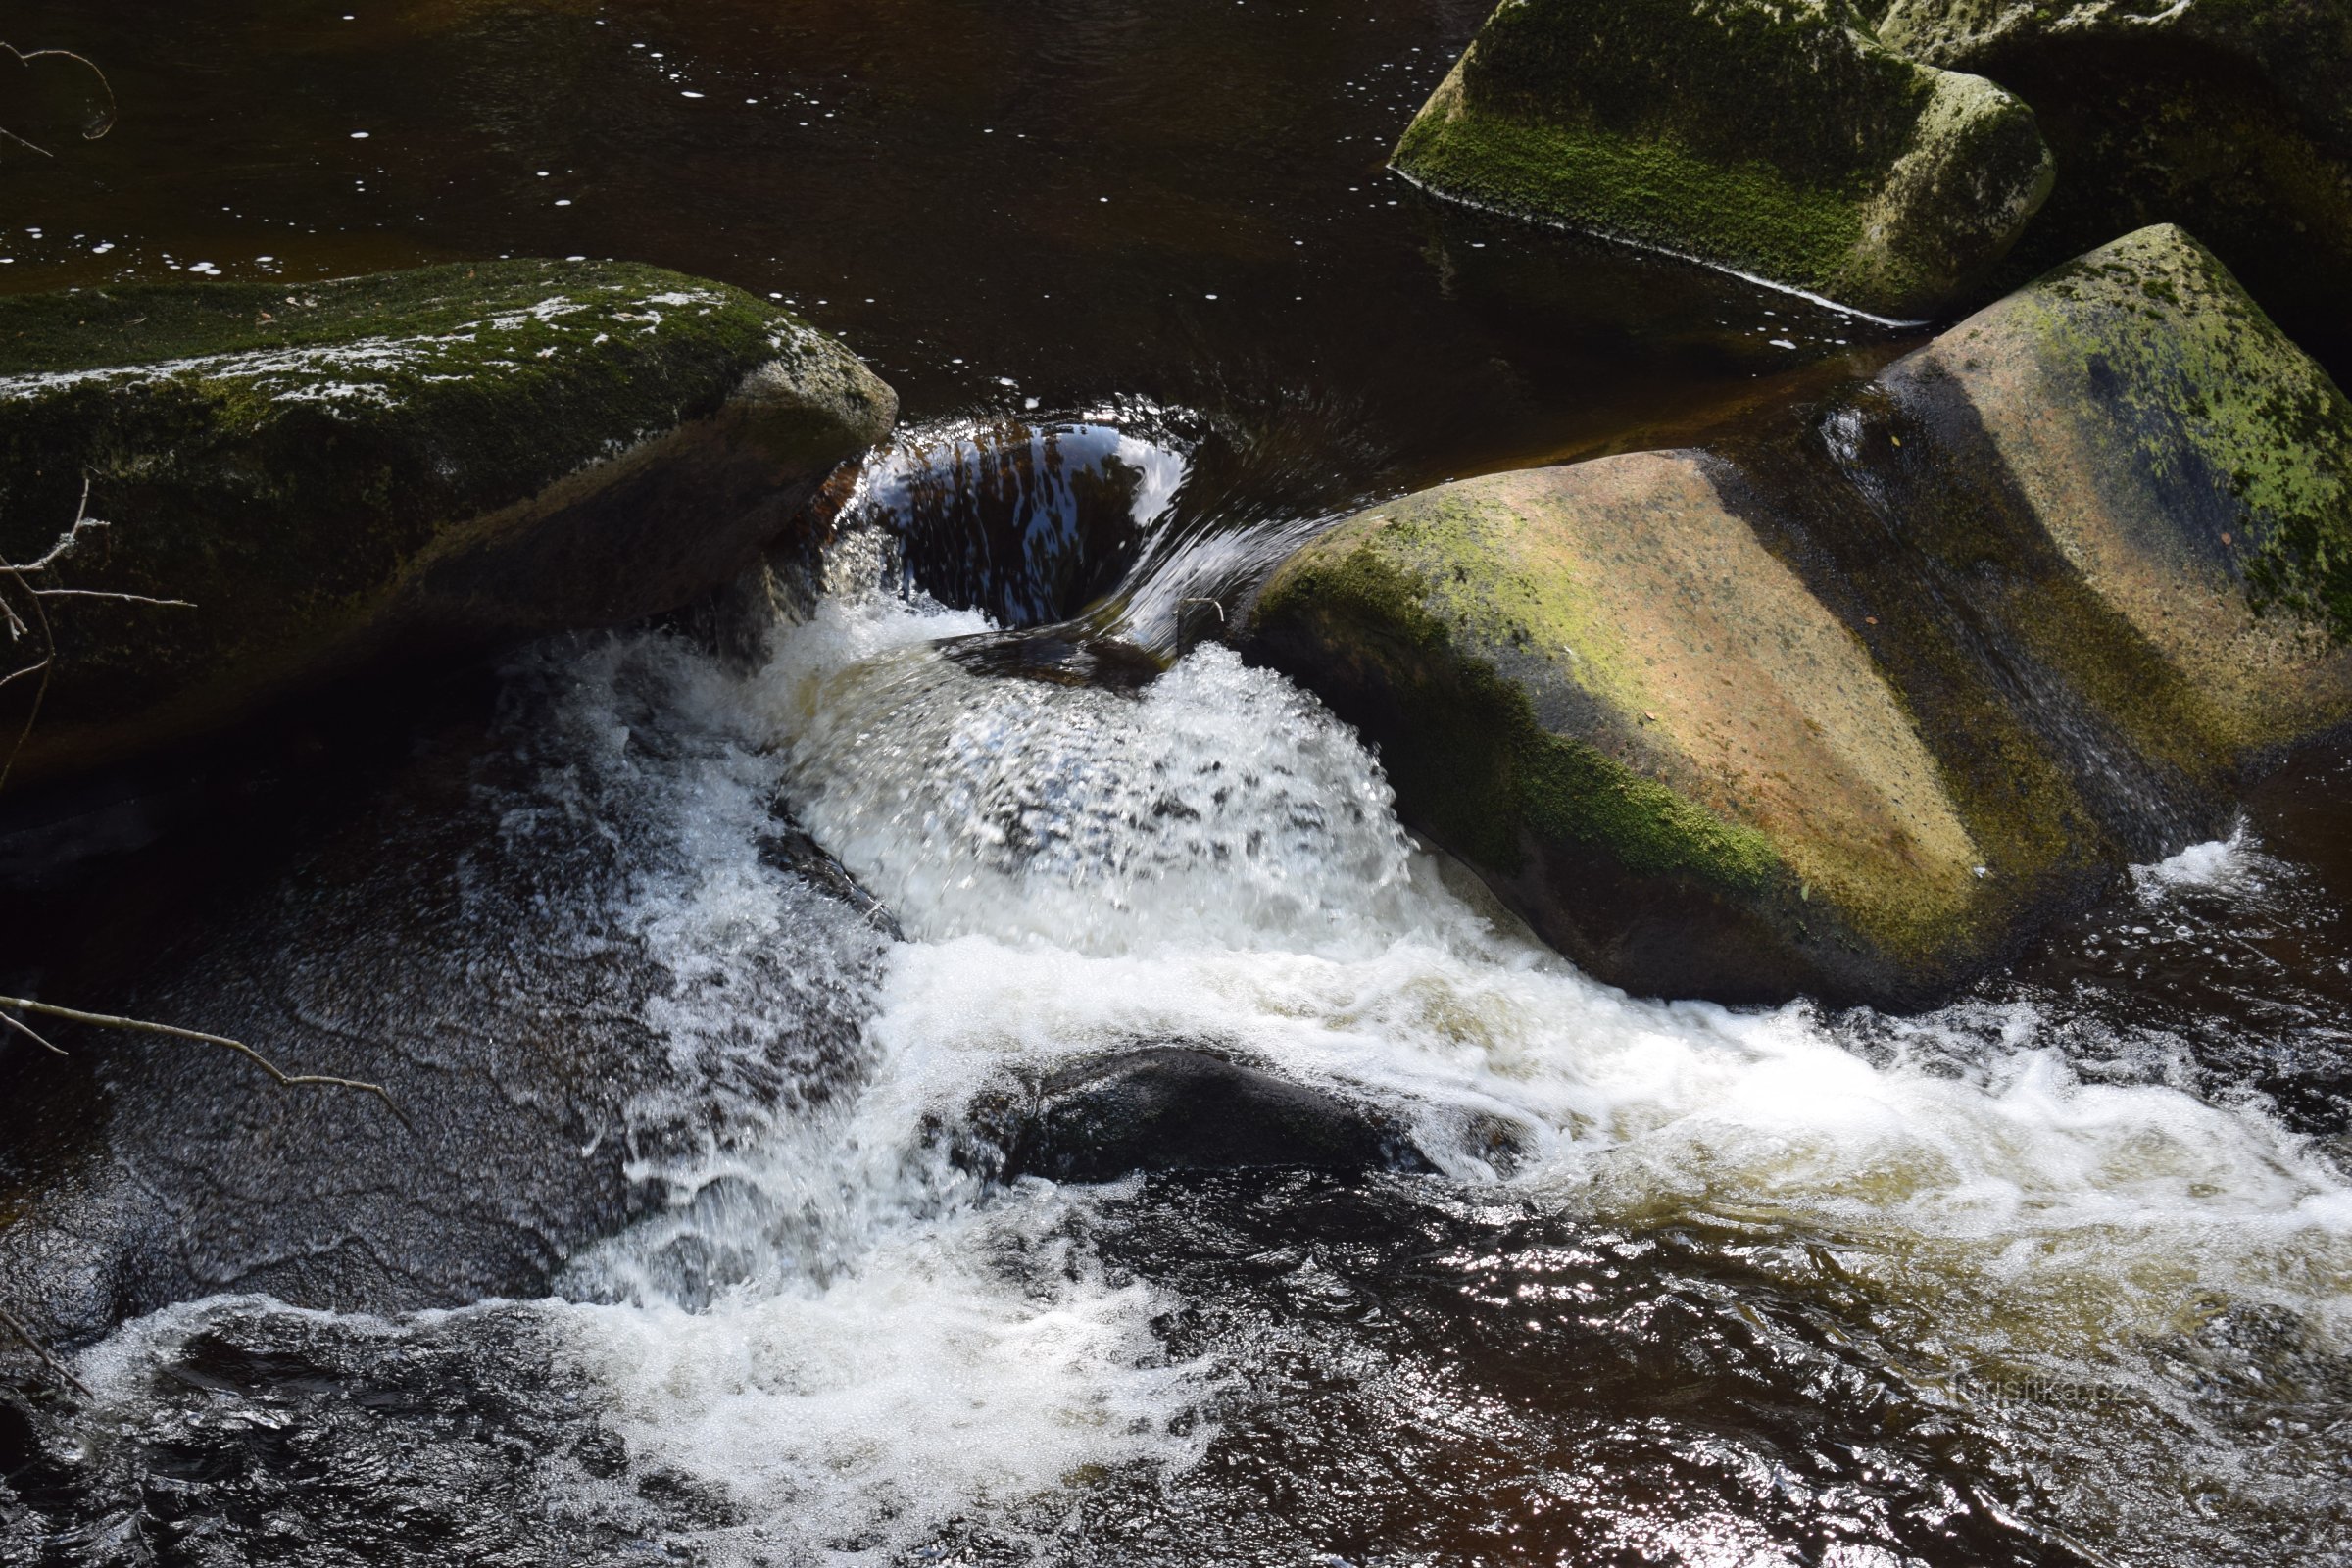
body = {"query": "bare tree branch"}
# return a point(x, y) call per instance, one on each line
point(19, 1330)
point(31, 1034)
point(107, 1020)
point(93, 593)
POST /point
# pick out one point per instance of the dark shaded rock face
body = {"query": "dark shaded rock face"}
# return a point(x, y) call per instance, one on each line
point(2234, 119)
point(1849, 704)
point(368, 471)
point(478, 929)
point(1171, 1107)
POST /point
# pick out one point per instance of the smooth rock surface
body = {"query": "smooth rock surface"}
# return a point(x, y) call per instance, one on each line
point(1773, 137)
point(1850, 708)
point(368, 471)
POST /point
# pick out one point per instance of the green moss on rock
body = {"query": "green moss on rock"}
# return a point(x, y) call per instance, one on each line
point(349, 471)
point(1771, 136)
point(1597, 686)
point(2232, 118)
point(2191, 461)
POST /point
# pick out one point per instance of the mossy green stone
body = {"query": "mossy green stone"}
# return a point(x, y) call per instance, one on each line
point(2192, 462)
point(1774, 137)
point(1597, 686)
point(371, 469)
point(2231, 118)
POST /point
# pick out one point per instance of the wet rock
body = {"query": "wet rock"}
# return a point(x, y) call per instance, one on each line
point(476, 925)
point(1852, 713)
point(375, 471)
point(1172, 1107)
point(1060, 657)
point(1776, 138)
point(2233, 119)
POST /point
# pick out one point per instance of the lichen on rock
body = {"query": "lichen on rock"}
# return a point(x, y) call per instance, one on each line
point(1774, 137)
point(369, 471)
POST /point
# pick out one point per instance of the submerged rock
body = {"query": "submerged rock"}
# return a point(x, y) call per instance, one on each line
point(1852, 712)
point(1170, 1108)
point(367, 472)
point(1771, 136)
point(2234, 120)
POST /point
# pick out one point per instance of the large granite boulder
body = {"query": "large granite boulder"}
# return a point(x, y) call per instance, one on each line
point(1774, 137)
point(2231, 116)
point(1848, 710)
point(337, 475)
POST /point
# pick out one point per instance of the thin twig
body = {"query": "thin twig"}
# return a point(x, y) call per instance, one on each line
point(70, 537)
point(95, 593)
point(32, 1343)
point(106, 1021)
point(40, 693)
point(106, 125)
point(31, 1033)
point(28, 669)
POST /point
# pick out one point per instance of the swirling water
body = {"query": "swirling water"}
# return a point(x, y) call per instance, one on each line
point(1688, 1285)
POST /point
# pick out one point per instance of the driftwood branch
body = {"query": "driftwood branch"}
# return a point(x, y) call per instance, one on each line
point(291, 1080)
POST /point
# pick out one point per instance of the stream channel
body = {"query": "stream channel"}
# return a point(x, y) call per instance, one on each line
point(705, 979)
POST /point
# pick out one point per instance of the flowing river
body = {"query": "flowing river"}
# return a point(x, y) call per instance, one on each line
point(714, 960)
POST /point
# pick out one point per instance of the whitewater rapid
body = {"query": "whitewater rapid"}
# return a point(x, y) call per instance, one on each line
point(835, 1325)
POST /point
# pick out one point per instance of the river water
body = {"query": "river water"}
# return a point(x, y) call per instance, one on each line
point(2061, 1273)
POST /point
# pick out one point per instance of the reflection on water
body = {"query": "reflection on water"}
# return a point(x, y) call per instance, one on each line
point(1025, 522)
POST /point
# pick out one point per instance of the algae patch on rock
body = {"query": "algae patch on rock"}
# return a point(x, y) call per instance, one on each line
point(1775, 137)
point(375, 469)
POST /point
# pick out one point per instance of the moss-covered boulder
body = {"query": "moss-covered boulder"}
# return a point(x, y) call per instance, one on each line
point(2186, 460)
point(2232, 118)
point(1850, 705)
point(1595, 685)
point(328, 476)
point(1774, 137)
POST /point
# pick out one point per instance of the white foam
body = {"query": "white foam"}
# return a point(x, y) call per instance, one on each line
point(1217, 861)
point(2227, 864)
point(922, 1384)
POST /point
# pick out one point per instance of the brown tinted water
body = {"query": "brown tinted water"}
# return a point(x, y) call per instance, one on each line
point(1695, 1288)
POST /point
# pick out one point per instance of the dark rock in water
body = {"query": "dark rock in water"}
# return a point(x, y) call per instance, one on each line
point(370, 472)
point(1172, 1107)
point(1850, 712)
point(1774, 138)
point(2234, 119)
point(1049, 656)
point(476, 927)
